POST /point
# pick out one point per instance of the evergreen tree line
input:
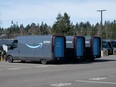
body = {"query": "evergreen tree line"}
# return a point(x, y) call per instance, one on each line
point(62, 26)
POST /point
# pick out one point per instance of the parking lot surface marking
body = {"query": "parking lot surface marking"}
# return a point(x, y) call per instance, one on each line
point(98, 78)
point(13, 68)
point(97, 82)
point(60, 84)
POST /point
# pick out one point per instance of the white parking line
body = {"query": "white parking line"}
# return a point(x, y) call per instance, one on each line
point(98, 78)
point(112, 75)
point(43, 66)
point(98, 82)
point(60, 84)
point(40, 66)
point(17, 68)
point(13, 68)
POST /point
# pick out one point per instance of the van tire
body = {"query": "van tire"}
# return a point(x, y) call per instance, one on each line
point(10, 59)
point(92, 59)
point(22, 61)
point(43, 61)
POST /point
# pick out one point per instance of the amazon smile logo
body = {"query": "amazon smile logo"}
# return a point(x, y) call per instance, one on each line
point(34, 47)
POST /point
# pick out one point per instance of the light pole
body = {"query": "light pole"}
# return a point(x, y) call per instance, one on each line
point(0, 21)
point(100, 30)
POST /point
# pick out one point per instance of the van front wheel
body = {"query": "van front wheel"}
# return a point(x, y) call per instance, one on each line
point(92, 59)
point(10, 59)
point(43, 61)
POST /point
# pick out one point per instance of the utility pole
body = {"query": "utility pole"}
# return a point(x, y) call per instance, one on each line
point(0, 21)
point(100, 31)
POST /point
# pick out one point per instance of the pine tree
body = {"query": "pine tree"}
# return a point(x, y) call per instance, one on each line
point(63, 26)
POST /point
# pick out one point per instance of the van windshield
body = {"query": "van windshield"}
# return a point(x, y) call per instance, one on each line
point(15, 42)
point(14, 45)
point(114, 44)
point(104, 44)
point(109, 44)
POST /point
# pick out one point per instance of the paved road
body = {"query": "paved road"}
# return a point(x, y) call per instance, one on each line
point(101, 73)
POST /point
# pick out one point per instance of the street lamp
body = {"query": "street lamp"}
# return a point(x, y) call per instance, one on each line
point(101, 20)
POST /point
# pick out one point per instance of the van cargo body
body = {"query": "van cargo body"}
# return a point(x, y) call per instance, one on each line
point(88, 49)
point(38, 48)
point(75, 48)
point(70, 54)
point(93, 47)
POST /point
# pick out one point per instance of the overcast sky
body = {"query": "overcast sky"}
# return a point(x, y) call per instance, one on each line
point(35, 11)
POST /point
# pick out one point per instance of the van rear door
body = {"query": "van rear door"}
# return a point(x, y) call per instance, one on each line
point(80, 46)
point(59, 47)
point(96, 46)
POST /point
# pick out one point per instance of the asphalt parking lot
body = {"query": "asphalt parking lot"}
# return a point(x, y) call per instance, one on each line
point(101, 73)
